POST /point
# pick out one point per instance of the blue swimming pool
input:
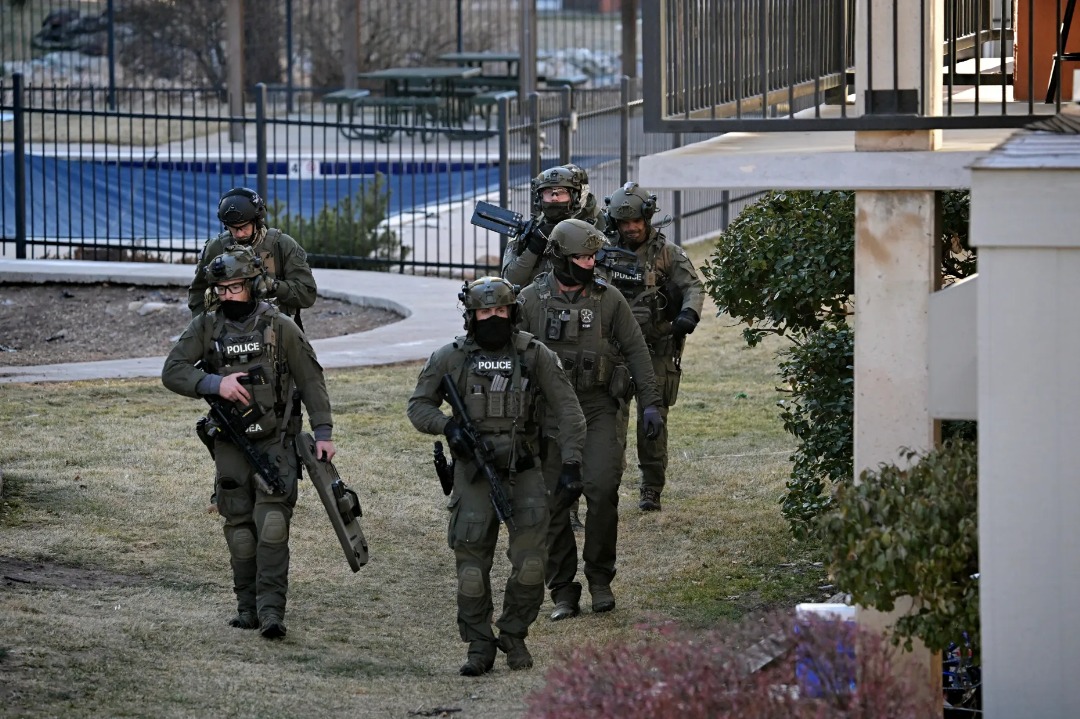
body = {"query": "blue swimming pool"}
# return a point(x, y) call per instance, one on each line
point(168, 200)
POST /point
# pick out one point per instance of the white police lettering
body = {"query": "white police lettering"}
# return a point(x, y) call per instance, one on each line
point(254, 428)
point(627, 277)
point(494, 365)
point(242, 349)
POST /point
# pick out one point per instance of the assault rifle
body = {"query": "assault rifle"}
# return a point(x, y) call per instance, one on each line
point(505, 222)
point(482, 453)
point(233, 420)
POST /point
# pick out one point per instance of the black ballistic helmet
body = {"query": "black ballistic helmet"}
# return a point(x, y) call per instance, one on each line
point(486, 293)
point(631, 202)
point(241, 205)
point(239, 262)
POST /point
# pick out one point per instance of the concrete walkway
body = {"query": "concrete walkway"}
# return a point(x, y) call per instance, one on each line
point(429, 305)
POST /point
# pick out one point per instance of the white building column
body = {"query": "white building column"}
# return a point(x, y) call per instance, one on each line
point(895, 274)
point(1025, 221)
point(896, 269)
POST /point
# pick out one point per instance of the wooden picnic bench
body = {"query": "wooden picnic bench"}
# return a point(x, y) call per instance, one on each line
point(343, 99)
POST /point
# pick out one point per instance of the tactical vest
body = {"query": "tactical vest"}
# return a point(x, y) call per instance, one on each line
point(573, 330)
point(641, 285)
point(500, 394)
point(251, 346)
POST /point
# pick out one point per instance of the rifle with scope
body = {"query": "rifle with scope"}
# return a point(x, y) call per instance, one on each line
point(482, 453)
point(506, 222)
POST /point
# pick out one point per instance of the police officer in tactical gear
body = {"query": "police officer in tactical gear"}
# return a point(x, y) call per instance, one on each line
point(286, 280)
point(666, 296)
point(603, 353)
point(558, 193)
point(501, 374)
point(289, 282)
point(246, 351)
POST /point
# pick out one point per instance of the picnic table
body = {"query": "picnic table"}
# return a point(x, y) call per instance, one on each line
point(424, 99)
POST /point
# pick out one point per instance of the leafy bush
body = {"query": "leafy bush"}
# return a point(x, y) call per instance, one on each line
point(820, 414)
point(786, 266)
point(715, 675)
point(913, 532)
point(349, 234)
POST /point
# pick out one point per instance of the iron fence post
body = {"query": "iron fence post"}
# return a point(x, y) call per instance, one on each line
point(260, 138)
point(725, 209)
point(288, 57)
point(534, 134)
point(504, 161)
point(20, 166)
point(111, 14)
point(624, 130)
point(676, 200)
point(566, 124)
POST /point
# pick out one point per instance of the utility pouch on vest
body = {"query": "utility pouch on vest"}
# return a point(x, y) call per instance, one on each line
point(643, 314)
point(496, 404)
point(587, 371)
point(573, 324)
point(476, 403)
point(671, 385)
point(262, 394)
point(621, 385)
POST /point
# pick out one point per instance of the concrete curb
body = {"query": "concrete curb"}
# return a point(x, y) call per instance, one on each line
point(429, 305)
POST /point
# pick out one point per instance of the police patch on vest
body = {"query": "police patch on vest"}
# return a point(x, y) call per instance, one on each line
point(635, 278)
point(492, 365)
point(586, 318)
point(243, 348)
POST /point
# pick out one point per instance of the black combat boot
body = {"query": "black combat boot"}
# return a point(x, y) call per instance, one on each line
point(517, 654)
point(245, 619)
point(272, 627)
point(650, 500)
point(480, 660)
point(603, 599)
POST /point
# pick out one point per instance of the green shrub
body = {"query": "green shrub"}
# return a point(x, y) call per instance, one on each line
point(786, 266)
point(913, 532)
point(350, 234)
point(820, 414)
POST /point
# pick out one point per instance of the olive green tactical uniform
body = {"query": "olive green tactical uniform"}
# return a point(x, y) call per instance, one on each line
point(521, 264)
point(663, 272)
point(281, 255)
point(604, 356)
point(256, 523)
point(524, 370)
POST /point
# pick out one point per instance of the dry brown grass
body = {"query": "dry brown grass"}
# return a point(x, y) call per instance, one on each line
point(107, 477)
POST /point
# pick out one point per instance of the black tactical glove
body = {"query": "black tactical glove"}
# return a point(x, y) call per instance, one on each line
point(536, 243)
point(264, 287)
point(569, 487)
point(685, 322)
point(652, 422)
point(457, 440)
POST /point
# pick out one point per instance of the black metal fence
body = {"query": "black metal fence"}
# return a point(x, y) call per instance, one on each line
point(82, 181)
point(786, 65)
point(113, 44)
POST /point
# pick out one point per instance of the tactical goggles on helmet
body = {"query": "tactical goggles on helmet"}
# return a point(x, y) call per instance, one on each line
point(234, 288)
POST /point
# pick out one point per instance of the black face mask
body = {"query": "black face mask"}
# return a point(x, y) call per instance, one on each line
point(573, 274)
point(492, 333)
point(556, 211)
point(235, 311)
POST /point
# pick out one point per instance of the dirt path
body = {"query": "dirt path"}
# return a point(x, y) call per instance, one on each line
point(56, 323)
